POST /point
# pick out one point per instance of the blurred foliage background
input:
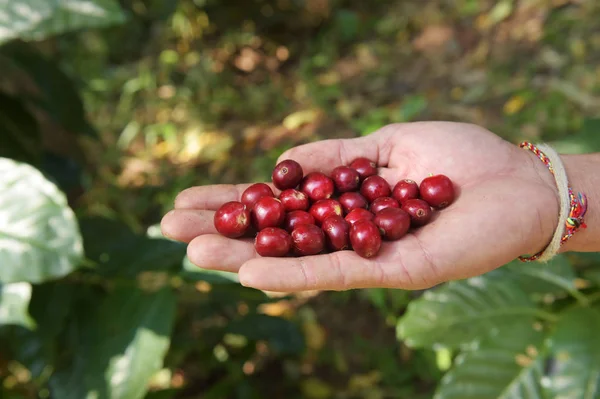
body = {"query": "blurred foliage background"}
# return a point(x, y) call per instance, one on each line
point(111, 108)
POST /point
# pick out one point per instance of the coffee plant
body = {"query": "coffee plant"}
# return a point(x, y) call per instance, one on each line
point(91, 307)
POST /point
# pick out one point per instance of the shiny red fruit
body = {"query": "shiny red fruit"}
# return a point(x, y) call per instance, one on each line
point(374, 187)
point(254, 193)
point(273, 241)
point(365, 238)
point(287, 174)
point(352, 200)
point(294, 200)
point(382, 203)
point(295, 218)
point(232, 219)
point(336, 231)
point(365, 167)
point(358, 214)
point(405, 190)
point(317, 186)
point(267, 212)
point(308, 239)
point(437, 191)
point(322, 209)
point(393, 223)
point(419, 211)
point(345, 179)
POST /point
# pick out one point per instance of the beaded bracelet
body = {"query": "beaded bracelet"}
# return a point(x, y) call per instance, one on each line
point(577, 205)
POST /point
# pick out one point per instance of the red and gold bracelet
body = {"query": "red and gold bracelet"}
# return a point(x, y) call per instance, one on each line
point(578, 204)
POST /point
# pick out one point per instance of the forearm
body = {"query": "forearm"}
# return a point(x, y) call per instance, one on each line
point(584, 176)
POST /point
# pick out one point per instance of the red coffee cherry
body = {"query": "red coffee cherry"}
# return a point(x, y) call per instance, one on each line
point(295, 218)
point(374, 187)
point(308, 239)
point(317, 186)
point(405, 189)
point(232, 219)
point(358, 214)
point(267, 212)
point(254, 193)
point(365, 238)
point(393, 223)
point(287, 174)
point(382, 203)
point(365, 167)
point(322, 209)
point(437, 191)
point(419, 211)
point(336, 231)
point(345, 179)
point(352, 200)
point(294, 200)
point(273, 241)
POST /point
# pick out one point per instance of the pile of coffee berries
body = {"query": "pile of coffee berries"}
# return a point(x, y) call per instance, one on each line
point(354, 208)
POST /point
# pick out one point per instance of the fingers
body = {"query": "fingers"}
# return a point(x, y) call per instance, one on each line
point(325, 155)
point(340, 270)
point(186, 224)
point(210, 197)
point(402, 264)
point(212, 251)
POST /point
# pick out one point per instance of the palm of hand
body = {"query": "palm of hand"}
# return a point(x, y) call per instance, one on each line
point(500, 192)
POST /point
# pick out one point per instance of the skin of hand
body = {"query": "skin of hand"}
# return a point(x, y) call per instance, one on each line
point(507, 205)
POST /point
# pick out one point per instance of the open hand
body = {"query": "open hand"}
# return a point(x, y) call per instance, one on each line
point(506, 206)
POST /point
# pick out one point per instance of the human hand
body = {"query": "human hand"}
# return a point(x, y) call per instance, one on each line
point(507, 205)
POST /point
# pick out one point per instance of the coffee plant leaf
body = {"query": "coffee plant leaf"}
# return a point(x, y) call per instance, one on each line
point(39, 234)
point(460, 312)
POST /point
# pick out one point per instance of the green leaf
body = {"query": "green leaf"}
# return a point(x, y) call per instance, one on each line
point(38, 19)
point(556, 276)
point(502, 366)
point(46, 85)
point(39, 236)
point(283, 336)
point(119, 346)
point(574, 355)
point(19, 131)
point(14, 302)
point(462, 311)
point(118, 251)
